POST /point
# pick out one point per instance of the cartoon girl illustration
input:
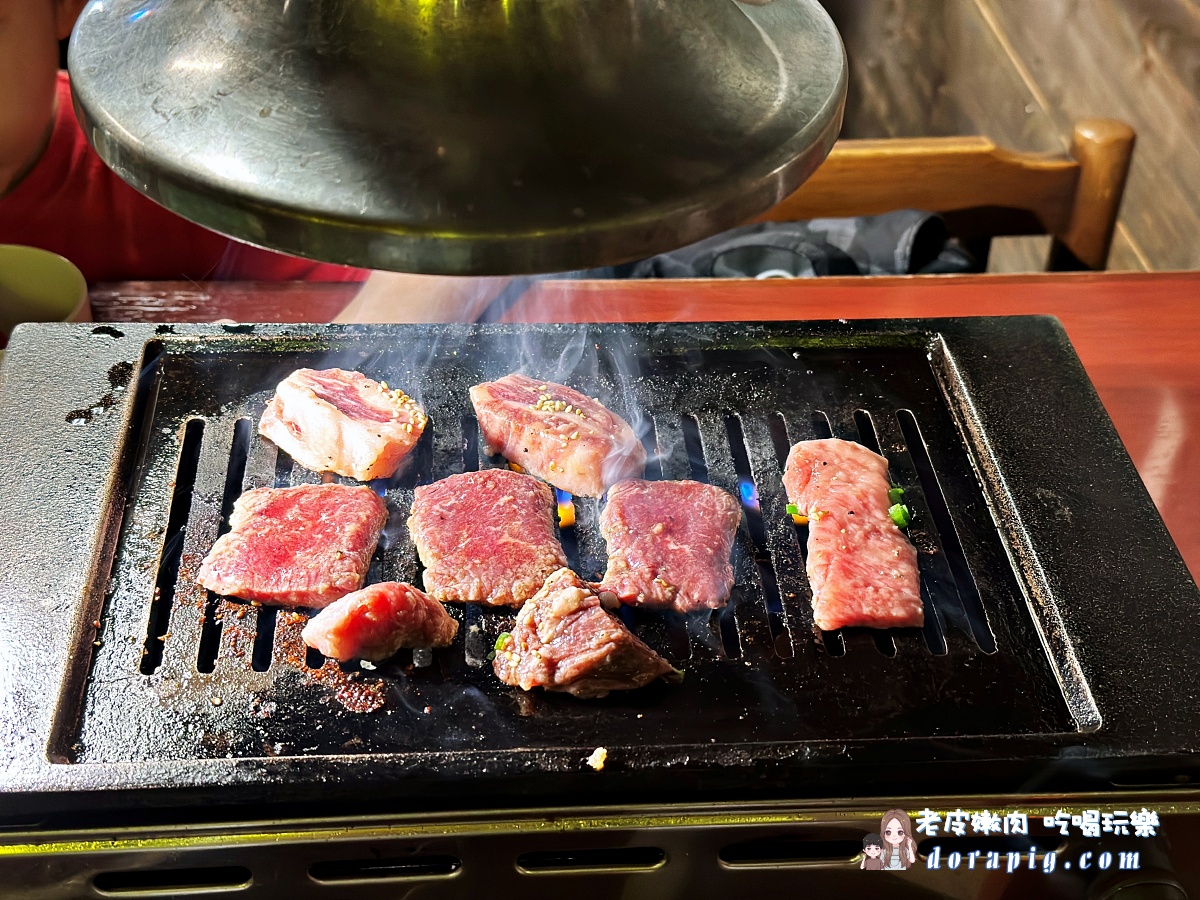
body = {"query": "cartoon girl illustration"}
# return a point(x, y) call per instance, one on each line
point(899, 849)
point(872, 853)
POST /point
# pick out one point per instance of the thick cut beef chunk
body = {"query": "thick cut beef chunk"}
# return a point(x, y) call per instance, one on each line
point(564, 640)
point(342, 422)
point(485, 537)
point(669, 544)
point(558, 434)
point(377, 621)
point(861, 567)
point(301, 546)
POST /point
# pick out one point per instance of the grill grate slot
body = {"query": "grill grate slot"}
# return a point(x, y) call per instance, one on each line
point(780, 636)
point(210, 631)
point(767, 446)
point(694, 448)
point(172, 552)
point(964, 581)
point(867, 435)
point(649, 437)
point(472, 450)
point(264, 638)
point(821, 428)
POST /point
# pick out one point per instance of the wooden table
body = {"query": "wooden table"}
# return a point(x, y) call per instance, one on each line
point(1138, 336)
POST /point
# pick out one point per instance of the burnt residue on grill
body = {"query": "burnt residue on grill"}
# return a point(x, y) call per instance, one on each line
point(186, 675)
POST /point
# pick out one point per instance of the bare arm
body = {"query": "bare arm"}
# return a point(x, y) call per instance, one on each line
point(29, 36)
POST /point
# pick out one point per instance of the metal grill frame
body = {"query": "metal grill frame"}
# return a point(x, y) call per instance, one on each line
point(1073, 517)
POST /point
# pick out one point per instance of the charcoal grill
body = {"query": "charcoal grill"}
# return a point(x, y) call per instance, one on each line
point(1057, 657)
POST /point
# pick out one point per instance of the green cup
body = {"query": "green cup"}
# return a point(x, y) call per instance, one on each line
point(39, 286)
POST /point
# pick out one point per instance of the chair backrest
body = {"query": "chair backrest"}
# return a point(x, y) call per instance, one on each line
point(984, 191)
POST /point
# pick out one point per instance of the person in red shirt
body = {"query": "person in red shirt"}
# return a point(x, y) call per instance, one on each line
point(56, 193)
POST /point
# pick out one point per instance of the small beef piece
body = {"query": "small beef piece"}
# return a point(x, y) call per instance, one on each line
point(861, 567)
point(301, 546)
point(564, 640)
point(343, 422)
point(557, 434)
point(669, 544)
point(485, 537)
point(377, 621)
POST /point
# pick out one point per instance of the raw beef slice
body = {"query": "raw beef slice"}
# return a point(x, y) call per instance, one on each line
point(300, 546)
point(558, 434)
point(861, 566)
point(485, 537)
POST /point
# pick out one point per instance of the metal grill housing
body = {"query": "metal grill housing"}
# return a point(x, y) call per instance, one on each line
point(180, 689)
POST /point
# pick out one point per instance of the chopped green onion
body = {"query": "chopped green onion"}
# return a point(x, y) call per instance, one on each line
point(895, 495)
point(675, 676)
point(502, 641)
point(798, 517)
point(900, 515)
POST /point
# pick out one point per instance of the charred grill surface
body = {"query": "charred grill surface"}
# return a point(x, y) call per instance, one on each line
point(181, 681)
point(976, 669)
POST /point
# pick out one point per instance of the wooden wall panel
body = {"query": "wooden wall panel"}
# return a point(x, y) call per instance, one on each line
point(1137, 61)
point(1022, 71)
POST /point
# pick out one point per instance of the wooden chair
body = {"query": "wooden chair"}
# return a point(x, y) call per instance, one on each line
point(982, 190)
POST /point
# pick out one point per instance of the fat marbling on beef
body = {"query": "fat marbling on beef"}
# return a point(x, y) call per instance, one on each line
point(564, 640)
point(377, 621)
point(485, 537)
point(334, 420)
point(299, 546)
point(558, 434)
point(861, 567)
point(669, 544)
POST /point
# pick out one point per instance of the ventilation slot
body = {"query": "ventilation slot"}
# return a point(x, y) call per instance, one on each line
point(470, 444)
point(170, 882)
point(866, 431)
point(210, 631)
point(264, 638)
point(884, 642)
point(347, 870)
point(677, 636)
point(781, 637)
point(769, 852)
point(695, 449)
point(618, 859)
point(968, 591)
point(820, 426)
point(654, 470)
point(172, 553)
point(283, 470)
point(568, 535)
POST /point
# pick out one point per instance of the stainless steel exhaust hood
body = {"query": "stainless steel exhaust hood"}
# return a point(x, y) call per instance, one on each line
point(461, 136)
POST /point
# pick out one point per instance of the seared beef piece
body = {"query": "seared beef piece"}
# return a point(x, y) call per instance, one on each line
point(343, 422)
point(377, 621)
point(564, 640)
point(557, 434)
point(301, 546)
point(669, 544)
point(485, 537)
point(861, 567)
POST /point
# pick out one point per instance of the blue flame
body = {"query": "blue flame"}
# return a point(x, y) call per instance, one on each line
point(749, 493)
